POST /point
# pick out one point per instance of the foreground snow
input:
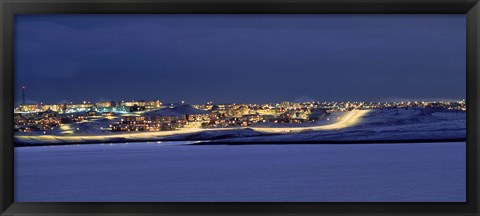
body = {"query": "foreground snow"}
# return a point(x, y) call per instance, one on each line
point(173, 171)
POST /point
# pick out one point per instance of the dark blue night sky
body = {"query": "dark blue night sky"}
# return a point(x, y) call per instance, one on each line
point(240, 58)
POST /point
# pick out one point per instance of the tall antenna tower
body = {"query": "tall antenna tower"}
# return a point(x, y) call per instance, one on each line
point(23, 94)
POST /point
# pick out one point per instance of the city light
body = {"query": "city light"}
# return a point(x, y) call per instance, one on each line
point(145, 119)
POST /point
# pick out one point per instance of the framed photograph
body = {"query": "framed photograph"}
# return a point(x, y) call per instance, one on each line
point(239, 107)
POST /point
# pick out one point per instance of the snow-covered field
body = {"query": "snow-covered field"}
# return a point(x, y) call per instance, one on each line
point(387, 124)
point(175, 171)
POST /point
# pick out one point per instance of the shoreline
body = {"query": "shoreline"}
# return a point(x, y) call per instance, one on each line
point(219, 142)
point(334, 142)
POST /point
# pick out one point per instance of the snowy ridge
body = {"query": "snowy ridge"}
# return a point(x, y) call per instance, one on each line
point(386, 124)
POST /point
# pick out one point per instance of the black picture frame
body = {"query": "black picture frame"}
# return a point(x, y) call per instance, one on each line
point(8, 9)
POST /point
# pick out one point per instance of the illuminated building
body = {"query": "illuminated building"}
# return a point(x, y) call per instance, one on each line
point(79, 107)
point(154, 104)
point(53, 107)
point(28, 108)
point(105, 104)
